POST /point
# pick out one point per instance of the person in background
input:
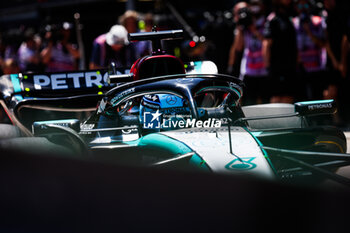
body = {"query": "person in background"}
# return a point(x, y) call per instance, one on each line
point(345, 62)
point(29, 54)
point(336, 68)
point(249, 37)
point(130, 20)
point(343, 93)
point(60, 54)
point(8, 48)
point(149, 22)
point(112, 46)
point(145, 47)
point(280, 53)
point(2, 48)
point(9, 43)
point(336, 33)
point(311, 43)
point(10, 66)
point(235, 55)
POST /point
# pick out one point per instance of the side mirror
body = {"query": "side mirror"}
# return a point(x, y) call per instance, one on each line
point(116, 75)
point(120, 78)
point(317, 107)
point(112, 68)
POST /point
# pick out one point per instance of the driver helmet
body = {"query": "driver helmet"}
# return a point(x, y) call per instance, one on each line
point(155, 109)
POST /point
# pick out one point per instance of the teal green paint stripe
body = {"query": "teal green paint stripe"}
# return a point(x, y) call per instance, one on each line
point(199, 162)
point(262, 149)
point(198, 66)
point(238, 93)
point(15, 82)
point(19, 97)
point(163, 142)
point(316, 102)
point(56, 121)
point(174, 146)
point(256, 134)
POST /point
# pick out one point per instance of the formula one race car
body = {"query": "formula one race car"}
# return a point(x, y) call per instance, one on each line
point(165, 114)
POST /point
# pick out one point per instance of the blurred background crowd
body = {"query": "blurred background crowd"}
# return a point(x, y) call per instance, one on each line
point(284, 50)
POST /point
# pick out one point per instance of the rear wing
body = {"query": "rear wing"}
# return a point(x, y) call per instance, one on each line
point(74, 91)
point(42, 85)
point(33, 86)
point(15, 88)
point(61, 91)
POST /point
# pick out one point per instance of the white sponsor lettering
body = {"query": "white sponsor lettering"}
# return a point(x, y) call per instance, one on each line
point(319, 106)
point(93, 78)
point(41, 80)
point(76, 77)
point(58, 81)
point(199, 124)
point(70, 80)
point(190, 123)
point(181, 123)
point(121, 95)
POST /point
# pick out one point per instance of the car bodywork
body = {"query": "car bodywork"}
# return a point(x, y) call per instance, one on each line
point(272, 141)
